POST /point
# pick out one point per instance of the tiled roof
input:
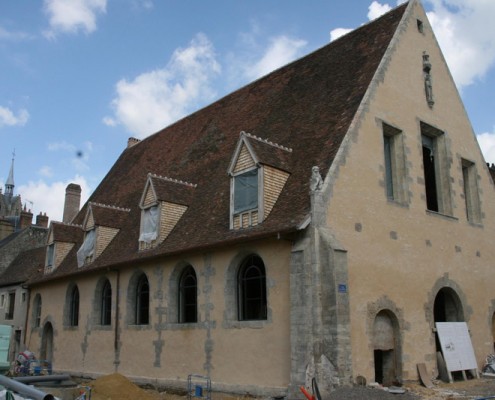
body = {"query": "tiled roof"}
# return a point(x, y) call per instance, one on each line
point(306, 106)
point(109, 216)
point(63, 232)
point(174, 191)
point(271, 154)
point(27, 265)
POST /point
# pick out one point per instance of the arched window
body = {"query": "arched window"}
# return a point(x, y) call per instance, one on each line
point(251, 289)
point(188, 296)
point(37, 311)
point(142, 305)
point(74, 307)
point(106, 304)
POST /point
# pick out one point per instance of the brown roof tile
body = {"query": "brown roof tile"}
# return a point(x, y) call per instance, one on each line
point(307, 106)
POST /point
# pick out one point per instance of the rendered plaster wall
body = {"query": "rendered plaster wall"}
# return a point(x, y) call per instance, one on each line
point(399, 254)
point(240, 356)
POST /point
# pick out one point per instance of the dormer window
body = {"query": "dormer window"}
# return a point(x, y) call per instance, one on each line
point(163, 202)
point(258, 172)
point(149, 224)
point(50, 255)
point(246, 191)
point(87, 250)
point(61, 239)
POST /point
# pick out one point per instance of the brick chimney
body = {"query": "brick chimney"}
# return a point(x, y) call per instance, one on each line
point(72, 202)
point(26, 218)
point(42, 220)
point(132, 141)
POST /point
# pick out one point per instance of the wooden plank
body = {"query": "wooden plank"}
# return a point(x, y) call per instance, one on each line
point(423, 375)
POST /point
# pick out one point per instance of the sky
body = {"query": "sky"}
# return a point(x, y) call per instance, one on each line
point(79, 77)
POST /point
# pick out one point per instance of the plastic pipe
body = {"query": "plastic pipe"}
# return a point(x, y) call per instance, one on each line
point(25, 390)
point(42, 378)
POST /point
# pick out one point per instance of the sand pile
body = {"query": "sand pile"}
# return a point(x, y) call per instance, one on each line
point(118, 387)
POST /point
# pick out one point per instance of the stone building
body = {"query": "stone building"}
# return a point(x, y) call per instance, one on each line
point(317, 222)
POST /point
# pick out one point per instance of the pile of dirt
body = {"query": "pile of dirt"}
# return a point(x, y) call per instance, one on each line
point(118, 387)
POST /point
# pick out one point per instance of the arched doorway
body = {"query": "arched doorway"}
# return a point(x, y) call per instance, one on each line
point(46, 351)
point(446, 308)
point(386, 350)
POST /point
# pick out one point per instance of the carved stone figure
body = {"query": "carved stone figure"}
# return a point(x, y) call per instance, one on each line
point(316, 180)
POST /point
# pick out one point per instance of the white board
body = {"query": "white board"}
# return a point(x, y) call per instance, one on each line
point(457, 348)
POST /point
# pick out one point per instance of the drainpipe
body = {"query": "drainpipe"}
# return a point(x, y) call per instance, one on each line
point(117, 312)
point(27, 314)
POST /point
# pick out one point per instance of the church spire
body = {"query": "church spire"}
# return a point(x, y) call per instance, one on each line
point(9, 185)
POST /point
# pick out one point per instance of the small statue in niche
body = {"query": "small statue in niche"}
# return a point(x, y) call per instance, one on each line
point(316, 180)
point(427, 75)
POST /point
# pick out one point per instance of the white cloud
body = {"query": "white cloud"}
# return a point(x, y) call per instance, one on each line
point(49, 197)
point(13, 36)
point(157, 98)
point(279, 52)
point(466, 33)
point(71, 16)
point(109, 121)
point(7, 117)
point(46, 171)
point(376, 10)
point(338, 32)
point(487, 144)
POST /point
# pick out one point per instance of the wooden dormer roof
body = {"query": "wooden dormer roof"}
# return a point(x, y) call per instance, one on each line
point(106, 215)
point(160, 188)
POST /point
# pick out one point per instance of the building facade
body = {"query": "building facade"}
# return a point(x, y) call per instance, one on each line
point(315, 223)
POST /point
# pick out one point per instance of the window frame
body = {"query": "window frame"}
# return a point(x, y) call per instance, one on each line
point(37, 307)
point(436, 171)
point(188, 296)
point(251, 300)
point(9, 315)
point(50, 256)
point(394, 164)
point(470, 188)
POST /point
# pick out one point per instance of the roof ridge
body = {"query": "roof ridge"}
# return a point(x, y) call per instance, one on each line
point(110, 206)
point(67, 224)
point(166, 178)
point(266, 141)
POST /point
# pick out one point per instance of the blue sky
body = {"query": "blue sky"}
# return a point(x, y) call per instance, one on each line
point(79, 77)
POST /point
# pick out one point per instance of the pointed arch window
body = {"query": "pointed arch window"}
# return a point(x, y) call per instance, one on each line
point(251, 289)
point(106, 304)
point(188, 296)
point(142, 304)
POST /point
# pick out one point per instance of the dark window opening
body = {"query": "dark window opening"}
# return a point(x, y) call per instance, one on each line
point(252, 290)
point(429, 171)
point(37, 311)
point(188, 296)
point(74, 307)
point(388, 166)
point(10, 312)
point(106, 304)
point(142, 316)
